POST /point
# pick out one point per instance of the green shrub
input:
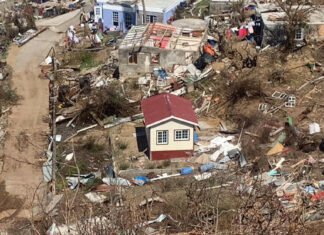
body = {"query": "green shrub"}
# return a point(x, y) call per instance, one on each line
point(124, 166)
point(91, 146)
point(122, 145)
point(166, 163)
point(8, 95)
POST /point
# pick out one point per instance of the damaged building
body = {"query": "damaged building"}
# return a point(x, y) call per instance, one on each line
point(158, 45)
point(220, 6)
point(274, 30)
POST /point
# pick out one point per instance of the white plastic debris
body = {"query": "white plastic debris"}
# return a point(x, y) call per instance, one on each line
point(100, 83)
point(225, 147)
point(72, 182)
point(219, 140)
point(142, 81)
point(96, 197)
point(69, 157)
point(47, 170)
point(157, 220)
point(193, 70)
point(204, 176)
point(52, 230)
point(59, 118)
point(116, 181)
point(48, 60)
point(58, 138)
point(179, 69)
point(314, 128)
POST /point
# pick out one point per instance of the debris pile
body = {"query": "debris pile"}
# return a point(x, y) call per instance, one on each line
point(267, 105)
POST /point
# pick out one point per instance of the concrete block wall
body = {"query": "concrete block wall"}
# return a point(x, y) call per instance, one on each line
point(168, 58)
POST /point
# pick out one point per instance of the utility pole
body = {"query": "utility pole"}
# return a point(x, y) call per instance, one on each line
point(144, 12)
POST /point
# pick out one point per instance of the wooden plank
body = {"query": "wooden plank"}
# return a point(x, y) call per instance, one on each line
point(37, 33)
point(95, 117)
point(175, 43)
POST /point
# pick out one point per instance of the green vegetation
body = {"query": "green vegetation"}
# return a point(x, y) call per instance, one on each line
point(166, 163)
point(7, 95)
point(60, 183)
point(123, 166)
point(92, 146)
point(86, 59)
point(122, 145)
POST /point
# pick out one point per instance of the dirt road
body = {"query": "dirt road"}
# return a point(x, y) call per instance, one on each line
point(27, 124)
point(21, 181)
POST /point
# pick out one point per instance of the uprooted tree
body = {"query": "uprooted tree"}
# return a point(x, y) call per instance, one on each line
point(297, 13)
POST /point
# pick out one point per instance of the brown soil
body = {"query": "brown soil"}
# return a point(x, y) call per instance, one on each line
point(27, 131)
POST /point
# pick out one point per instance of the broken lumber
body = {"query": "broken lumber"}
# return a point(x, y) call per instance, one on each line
point(311, 82)
point(79, 131)
point(250, 133)
point(35, 35)
point(298, 163)
point(95, 117)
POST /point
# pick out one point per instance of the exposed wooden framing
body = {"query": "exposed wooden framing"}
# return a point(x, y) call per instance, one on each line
point(163, 35)
point(148, 34)
point(175, 43)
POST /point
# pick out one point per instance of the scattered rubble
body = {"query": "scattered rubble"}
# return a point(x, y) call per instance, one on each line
point(257, 135)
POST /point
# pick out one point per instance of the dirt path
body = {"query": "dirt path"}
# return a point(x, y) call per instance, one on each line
point(27, 123)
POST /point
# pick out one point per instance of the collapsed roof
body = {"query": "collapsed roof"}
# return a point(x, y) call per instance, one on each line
point(163, 36)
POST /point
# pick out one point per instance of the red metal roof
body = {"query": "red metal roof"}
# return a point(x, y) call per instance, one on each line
point(165, 105)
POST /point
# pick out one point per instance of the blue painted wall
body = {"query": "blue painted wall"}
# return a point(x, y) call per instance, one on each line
point(108, 19)
point(107, 15)
point(167, 15)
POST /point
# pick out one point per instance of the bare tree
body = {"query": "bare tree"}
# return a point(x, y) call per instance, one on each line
point(297, 13)
point(238, 11)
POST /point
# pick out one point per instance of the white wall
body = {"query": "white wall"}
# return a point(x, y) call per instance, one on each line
point(170, 126)
point(99, 16)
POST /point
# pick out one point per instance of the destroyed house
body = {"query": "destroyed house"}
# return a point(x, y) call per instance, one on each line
point(274, 26)
point(169, 124)
point(220, 6)
point(158, 45)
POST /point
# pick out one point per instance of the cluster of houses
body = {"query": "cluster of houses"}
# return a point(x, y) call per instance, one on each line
point(121, 15)
point(153, 40)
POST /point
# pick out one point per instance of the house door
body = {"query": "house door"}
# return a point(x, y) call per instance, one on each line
point(128, 20)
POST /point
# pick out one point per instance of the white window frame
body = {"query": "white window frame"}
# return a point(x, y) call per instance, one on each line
point(180, 135)
point(115, 17)
point(98, 11)
point(148, 18)
point(299, 34)
point(162, 137)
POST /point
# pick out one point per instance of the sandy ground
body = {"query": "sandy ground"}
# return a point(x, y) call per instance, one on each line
point(27, 129)
point(27, 125)
point(56, 21)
